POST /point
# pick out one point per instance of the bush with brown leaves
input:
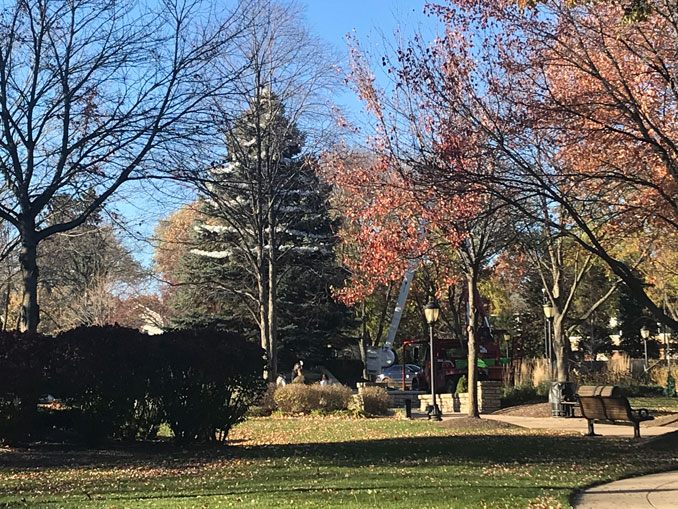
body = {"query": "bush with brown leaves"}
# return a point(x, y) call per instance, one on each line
point(335, 397)
point(304, 399)
point(375, 400)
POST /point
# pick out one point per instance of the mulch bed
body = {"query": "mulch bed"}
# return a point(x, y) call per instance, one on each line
point(529, 410)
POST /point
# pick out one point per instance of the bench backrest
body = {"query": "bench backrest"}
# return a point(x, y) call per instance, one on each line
point(592, 407)
point(604, 402)
point(593, 401)
point(606, 391)
point(617, 409)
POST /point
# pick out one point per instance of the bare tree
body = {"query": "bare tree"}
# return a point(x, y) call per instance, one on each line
point(93, 272)
point(562, 267)
point(94, 93)
point(487, 235)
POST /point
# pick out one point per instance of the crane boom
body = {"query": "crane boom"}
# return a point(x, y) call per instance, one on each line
point(380, 357)
point(400, 304)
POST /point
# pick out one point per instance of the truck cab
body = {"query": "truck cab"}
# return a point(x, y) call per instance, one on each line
point(452, 361)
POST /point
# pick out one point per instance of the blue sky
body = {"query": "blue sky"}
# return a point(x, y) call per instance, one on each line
point(333, 19)
point(370, 20)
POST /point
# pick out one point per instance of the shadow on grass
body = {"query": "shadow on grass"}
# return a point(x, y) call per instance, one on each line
point(286, 491)
point(432, 450)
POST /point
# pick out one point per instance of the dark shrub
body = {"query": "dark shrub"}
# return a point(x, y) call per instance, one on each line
point(642, 391)
point(543, 388)
point(265, 405)
point(519, 395)
point(106, 374)
point(670, 388)
point(24, 360)
point(116, 382)
point(209, 380)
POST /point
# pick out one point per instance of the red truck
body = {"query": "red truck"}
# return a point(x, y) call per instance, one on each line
point(452, 361)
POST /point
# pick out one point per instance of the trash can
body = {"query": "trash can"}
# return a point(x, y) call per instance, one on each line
point(562, 399)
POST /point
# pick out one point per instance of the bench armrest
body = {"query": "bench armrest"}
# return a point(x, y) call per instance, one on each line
point(642, 414)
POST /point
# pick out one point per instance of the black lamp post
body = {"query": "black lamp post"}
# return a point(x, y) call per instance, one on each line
point(432, 312)
point(507, 340)
point(507, 367)
point(548, 341)
point(645, 334)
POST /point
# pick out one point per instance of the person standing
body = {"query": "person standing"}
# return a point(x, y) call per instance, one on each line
point(298, 374)
point(299, 377)
point(296, 370)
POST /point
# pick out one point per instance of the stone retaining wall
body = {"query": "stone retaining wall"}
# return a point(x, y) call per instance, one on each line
point(489, 394)
point(399, 397)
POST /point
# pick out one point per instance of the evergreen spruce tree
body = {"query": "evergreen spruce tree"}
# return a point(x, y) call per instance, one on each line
point(311, 322)
point(263, 258)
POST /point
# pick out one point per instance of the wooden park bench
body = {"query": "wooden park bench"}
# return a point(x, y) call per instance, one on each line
point(606, 403)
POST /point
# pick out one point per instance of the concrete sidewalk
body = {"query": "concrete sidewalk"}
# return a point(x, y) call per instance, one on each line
point(657, 491)
point(579, 424)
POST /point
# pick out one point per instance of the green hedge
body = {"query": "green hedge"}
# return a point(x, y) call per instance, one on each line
point(119, 383)
point(208, 381)
point(24, 365)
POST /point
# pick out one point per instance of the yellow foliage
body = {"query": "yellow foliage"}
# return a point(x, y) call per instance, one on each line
point(173, 238)
point(534, 371)
point(660, 374)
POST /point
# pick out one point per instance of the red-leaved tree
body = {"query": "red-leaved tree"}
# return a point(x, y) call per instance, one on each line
point(565, 113)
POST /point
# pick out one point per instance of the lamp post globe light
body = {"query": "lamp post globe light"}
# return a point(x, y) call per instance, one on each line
point(548, 310)
point(645, 334)
point(432, 313)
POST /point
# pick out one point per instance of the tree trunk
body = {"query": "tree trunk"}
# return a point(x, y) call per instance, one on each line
point(272, 258)
point(561, 349)
point(263, 322)
point(6, 311)
point(272, 314)
point(364, 339)
point(472, 350)
point(30, 312)
point(382, 316)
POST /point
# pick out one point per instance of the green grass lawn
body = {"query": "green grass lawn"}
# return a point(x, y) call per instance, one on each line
point(275, 462)
point(656, 404)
